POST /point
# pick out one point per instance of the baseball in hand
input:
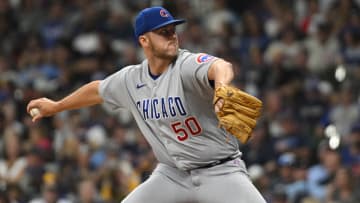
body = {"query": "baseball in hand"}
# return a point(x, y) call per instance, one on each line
point(34, 112)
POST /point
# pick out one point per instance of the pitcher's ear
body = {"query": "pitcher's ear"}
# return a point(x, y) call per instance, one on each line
point(143, 40)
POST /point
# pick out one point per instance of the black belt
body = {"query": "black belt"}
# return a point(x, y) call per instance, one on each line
point(218, 162)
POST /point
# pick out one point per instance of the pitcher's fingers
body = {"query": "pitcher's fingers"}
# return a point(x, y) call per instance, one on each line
point(216, 109)
point(30, 105)
point(219, 104)
point(36, 118)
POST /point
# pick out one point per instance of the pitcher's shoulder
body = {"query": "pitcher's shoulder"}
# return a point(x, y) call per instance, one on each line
point(184, 53)
point(198, 58)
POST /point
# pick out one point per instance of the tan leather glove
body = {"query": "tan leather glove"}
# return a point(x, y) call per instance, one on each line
point(239, 113)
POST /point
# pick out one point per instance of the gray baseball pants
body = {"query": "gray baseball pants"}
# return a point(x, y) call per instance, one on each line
point(225, 183)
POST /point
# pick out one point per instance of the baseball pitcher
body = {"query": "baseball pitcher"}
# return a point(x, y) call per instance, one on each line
point(188, 111)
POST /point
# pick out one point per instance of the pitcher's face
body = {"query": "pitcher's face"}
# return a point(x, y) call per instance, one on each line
point(164, 42)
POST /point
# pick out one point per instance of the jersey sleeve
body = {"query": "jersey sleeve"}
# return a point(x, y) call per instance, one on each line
point(111, 89)
point(194, 72)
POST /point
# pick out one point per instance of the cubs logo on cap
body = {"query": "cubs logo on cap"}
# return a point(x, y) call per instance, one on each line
point(164, 13)
point(203, 58)
point(153, 18)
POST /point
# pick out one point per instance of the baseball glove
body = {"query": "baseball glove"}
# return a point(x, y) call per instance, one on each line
point(239, 113)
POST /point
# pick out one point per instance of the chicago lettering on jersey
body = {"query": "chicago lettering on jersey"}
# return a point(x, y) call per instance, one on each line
point(160, 108)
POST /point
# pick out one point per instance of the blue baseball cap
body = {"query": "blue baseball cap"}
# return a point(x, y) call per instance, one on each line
point(153, 18)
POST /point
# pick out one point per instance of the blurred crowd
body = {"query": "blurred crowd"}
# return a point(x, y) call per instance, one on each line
point(300, 57)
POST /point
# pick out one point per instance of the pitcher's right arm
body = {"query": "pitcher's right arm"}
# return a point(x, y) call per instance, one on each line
point(86, 95)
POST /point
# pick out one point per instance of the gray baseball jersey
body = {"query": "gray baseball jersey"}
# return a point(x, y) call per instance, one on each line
point(174, 111)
